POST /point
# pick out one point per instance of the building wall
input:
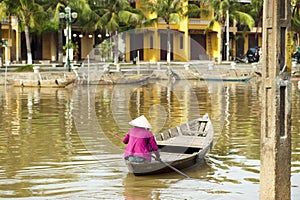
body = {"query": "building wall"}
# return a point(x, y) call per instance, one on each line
point(181, 46)
point(150, 51)
point(87, 45)
point(49, 46)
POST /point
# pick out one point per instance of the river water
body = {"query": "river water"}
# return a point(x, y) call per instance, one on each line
point(64, 143)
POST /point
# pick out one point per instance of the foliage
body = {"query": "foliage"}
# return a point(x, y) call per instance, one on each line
point(255, 9)
point(114, 15)
point(171, 11)
point(235, 12)
point(26, 68)
point(196, 8)
point(295, 15)
point(31, 13)
point(42, 15)
point(105, 48)
point(74, 46)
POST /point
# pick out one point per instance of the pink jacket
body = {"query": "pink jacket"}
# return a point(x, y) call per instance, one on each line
point(140, 142)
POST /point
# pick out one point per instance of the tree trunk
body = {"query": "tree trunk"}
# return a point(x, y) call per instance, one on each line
point(168, 44)
point(1, 57)
point(221, 44)
point(60, 43)
point(28, 47)
point(116, 59)
point(227, 36)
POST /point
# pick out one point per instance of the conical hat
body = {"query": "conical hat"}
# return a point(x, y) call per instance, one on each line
point(141, 121)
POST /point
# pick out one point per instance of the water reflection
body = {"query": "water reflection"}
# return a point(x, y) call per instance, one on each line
point(55, 143)
point(132, 189)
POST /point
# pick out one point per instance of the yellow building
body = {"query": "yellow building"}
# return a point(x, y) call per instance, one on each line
point(189, 40)
point(11, 49)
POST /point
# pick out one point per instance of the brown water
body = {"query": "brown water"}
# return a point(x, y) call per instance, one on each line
point(57, 143)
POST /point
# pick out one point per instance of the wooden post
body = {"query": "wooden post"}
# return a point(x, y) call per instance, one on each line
point(275, 173)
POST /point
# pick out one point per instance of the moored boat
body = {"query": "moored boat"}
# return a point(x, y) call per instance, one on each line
point(52, 83)
point(181, 147)
point(108, 79)
point(228, 79)
point(41, 79)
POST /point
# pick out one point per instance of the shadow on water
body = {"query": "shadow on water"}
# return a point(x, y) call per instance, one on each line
point(153, 186)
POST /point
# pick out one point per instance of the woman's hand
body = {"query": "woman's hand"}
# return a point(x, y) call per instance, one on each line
point(157, 158)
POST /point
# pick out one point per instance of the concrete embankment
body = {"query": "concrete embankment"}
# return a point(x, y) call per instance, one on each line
point(36, 79)
point(175, 71)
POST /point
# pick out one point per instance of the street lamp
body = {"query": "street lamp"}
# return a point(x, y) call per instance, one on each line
point(69, 18)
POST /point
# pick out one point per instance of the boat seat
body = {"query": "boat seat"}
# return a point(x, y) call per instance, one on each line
point(203, 126)
point(202, 134)
point(165, 135)
point(169, 157)
point(174, 132)
point(185, 141)
point(158, 137)
point(184, 129)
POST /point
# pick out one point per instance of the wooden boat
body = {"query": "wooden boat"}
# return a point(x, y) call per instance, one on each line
point(52, 83)
point(181, 147)
point(108, 79)
point(132, 79)
point(41, 79)
point(230, 75)
point(228, 79)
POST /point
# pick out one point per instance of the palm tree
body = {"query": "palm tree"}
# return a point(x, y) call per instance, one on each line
point(171, 11)
point(2, 15)
point(255, 9)
point(115, 15)
point(196, 8)
point(27, 11)
point(296, 20)
point(231, 9)
point(56, 6)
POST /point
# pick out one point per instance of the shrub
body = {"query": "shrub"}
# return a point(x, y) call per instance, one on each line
point(26, 68)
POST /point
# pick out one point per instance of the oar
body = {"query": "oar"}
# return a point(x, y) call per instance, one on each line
point(173, 168)
point(167, 164)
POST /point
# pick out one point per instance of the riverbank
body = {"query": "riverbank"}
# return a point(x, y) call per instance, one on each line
point(110, 73)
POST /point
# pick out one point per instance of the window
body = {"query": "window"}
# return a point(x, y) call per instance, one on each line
point(151, 42)
point(181, 42)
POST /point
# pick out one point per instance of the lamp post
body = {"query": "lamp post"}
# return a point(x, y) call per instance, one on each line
point(69, 17)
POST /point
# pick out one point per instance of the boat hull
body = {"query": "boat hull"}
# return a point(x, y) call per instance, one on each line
point(55, 83)
point(228, 79)
point(156, 167)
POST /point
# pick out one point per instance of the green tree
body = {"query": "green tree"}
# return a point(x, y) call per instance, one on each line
point(31, 15)
point(196, 8)
point(255, 9)
point(295, 23)
point(56, 6)
point(232, 9)
point(114, 16)
point(171, 11)
point(2, 15)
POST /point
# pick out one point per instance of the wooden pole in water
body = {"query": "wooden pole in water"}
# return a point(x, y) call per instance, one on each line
point(275, 158)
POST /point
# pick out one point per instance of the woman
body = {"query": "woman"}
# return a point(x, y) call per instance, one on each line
point(140, 141)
